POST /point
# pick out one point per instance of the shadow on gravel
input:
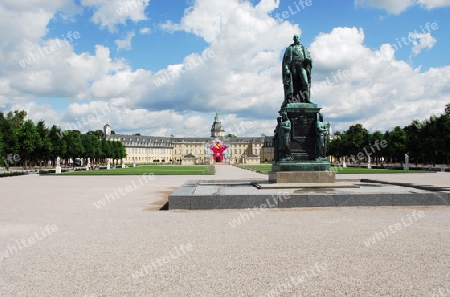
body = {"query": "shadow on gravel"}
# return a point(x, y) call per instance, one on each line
point(420, 187)
point(165, 206)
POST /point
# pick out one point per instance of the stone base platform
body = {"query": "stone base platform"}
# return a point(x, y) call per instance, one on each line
point(307, 185)
point(249, 194)
point(301, 177)
point(317, 165)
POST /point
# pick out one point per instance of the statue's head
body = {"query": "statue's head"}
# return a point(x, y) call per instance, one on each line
point(296, 39)
point(320, 117)
point(284, 115)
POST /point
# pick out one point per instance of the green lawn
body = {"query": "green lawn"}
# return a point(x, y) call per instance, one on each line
point(262, 168)
point(147, 169)
point(265, 168)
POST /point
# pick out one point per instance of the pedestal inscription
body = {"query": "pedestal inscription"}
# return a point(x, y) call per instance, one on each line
point(303, 136)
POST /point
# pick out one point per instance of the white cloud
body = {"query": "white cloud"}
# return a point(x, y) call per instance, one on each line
point(339, 48)
point(145, 31)
point(37, 112)
point(246, 43)
point(125, 43)
point(109, 13)
point(430, 4)
point(226, 80)
point(123, 120)
point(60, 73)
point(16, 17)
point(242, 78)
point(422, 41)
point(394, 7)
point(380, 92)
point(125, 83)
point(398, 6)
point(33, 67)
point(208, 19)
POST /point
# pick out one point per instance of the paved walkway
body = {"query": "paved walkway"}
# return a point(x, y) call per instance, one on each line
point(57, 239)
point(233, 172)
point(439, 179)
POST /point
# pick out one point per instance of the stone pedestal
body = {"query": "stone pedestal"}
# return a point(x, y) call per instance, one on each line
point(301, 177)
point(303, 117)
point(313, 165)
point(305, 165)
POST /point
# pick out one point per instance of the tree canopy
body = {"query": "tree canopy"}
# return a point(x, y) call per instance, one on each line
point(425, 142)
point(30, 142)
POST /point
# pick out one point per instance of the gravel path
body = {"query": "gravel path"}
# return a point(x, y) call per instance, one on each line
point(59, 241)
point(438, 179)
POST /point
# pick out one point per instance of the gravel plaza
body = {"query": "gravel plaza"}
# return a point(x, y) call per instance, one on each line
point(130, 248)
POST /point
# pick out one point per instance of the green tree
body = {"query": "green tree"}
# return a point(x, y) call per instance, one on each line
point(356, 141)
point(396, 147)
point(429, 137)
point(98, 133)
point(91, 146)
point(425, 141)
point(2, 149)
point(115, 150)
point(16, 118)
point(106, 148)
point(118, 151)
point(446, 132)
point(58, 144)
point(10, 141)
point(414, 145)
point(336, 146)
point(357, 137)
point(44, 148)
point(123, 151)
point(29, 141)
point(375, 141)
point(442, 134)
point(349, 143)
point(74, 145)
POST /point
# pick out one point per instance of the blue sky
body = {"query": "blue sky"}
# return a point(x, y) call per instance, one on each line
point(169, 65)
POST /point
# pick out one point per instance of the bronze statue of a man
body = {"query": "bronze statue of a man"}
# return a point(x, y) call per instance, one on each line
point(276, 141)
point(297, 65)
point(322, 134)
point(284, 137)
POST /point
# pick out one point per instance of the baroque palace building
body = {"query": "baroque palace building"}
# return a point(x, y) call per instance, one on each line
point(194, 150)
